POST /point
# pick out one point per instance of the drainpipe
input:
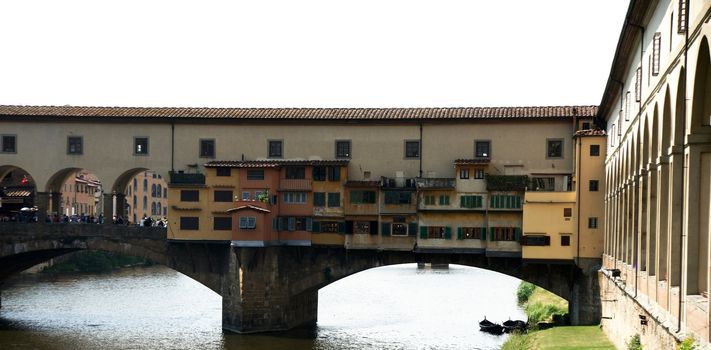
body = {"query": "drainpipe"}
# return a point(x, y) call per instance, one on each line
point(172, 145)
point(683, 158)
point(421, 148)
point(577, 199)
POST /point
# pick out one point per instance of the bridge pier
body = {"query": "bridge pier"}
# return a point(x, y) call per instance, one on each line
point(584, 305)
point(42, 203)
point(262, 291)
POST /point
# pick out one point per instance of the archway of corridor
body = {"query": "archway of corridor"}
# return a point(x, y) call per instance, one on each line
point(75, 196)
point(17, 192)
point(144, 193)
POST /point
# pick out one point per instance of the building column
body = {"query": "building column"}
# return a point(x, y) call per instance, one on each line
point(108, 207)
point(56, 203)
point(121, 205)
point(662, 209)
point(651, 223)
point(42, 203)
point(641, 220)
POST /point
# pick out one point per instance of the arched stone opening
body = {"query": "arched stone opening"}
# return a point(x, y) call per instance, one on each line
point(18, 192)
point(75, 196)
point(701, 106)
point(144, 193)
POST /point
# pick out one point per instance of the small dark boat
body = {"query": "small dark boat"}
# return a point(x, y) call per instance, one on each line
point(514, 325)
point(490, 327)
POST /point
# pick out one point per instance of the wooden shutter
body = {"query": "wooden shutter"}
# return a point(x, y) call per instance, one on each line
point(292, 223)
point(412, 229)
point(316, 226)
point(482, 233)
point(423, 232)
point(491, 238)
point(385, 231)
point(447, 232)
point(517, 234)
point(309, 224)
point(460, 233)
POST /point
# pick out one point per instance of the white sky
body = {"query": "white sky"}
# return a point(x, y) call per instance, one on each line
point(310, 53)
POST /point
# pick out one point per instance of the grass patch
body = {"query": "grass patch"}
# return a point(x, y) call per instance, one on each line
point(561, 338)
point(95, 261)
point(544, 306)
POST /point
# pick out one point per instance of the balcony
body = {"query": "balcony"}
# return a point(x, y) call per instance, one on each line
point(435, 183)
point(302, 185)
point(397, 183)
point(180, 178)
point(506, 182)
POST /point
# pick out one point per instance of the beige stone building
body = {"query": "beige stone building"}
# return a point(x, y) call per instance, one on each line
point(146, 195)
point(81, 194)
point(657, 113)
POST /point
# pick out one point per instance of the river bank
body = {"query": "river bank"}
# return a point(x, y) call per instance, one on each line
point(547, 309)
point(93, 262)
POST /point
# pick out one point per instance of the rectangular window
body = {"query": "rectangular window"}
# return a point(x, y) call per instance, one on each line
point(189, 196)
point(542, 184)
point(412, 149)
point(295, 197)
point(224, 172)
point(246, 195)
point(247, 222)
point(399, 229)
point(207, 148)
point(443, 199)
point(362, 227)
point(682, 16)
point(434, 232)
point(319, 199)
point(429, 200)
point(222, 223)
point(506, 202)
point(223, 196)
point(470, 232)
point(567, 212)
point(482, 149)
point(334, 173)
point(535, 240)
point(554, 148)
point(189, 223)
point(594, 185)
point(479, 174)
point(75, 145)
point(565, 241)
point(140, 145)
point(464, 173)
point(656, 48)
point(295, 172)
point(9, 144)
point(393, 197)
point(362, 197)
point(594, 150)
point(504, 233)
point(275, 149)
point(638, 85)
point(255, 174)
point(329, 227)
point(471, 201)
point(343, 148)
point(592, 222)
point(628, 105)
point(586, 126)
point(319, 173)
point(334, 200)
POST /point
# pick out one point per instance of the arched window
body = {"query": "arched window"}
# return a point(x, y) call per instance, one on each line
point(153, 208)
point(145, 202)
point(135, 201)
point(153, 190)
point(135, 183)
point(145, 185)
point(159, 191)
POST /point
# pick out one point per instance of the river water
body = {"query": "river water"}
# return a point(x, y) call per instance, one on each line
point(395, 307)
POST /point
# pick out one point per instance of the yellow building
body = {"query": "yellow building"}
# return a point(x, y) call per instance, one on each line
point(563, 223)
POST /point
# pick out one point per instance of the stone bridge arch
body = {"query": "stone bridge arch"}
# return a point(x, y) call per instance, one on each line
point(276, 288)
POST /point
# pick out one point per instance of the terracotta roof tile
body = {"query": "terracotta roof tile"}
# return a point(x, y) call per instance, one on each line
point(430, 113)
point(272, 163)
point(472, 161)
point(590, 132)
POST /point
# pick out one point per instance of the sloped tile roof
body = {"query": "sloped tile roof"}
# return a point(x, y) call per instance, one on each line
point(272, 163)
point(430, 113)
point(472, 161)
point(590, 132)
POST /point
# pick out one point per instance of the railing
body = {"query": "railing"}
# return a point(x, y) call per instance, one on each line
point(435, 183)
point(397, 183)
point(506, 182)
point(295, 184)
point(186, 179)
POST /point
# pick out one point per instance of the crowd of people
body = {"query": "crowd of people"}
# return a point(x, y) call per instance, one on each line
point(31, 216)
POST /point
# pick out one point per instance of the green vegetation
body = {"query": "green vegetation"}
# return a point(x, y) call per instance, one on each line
point(688, 344)
point(634, 343)
point(543, 306)
point(95, 261)
point(524, 291)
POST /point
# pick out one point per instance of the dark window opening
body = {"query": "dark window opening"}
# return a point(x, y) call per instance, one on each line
point(482, 149)
point(554, 149)
point(255, 174)
point(207, 148)
point(295, 172)
point(9, 144)
point(222, 223)
point(343, 149)
point(189, 223)
point(189, 196)
point(223, 196)
point(224, 172)
point(140, 145)
point(275, 149)
point(594, 150)
point(412, 149)
point(74, 145)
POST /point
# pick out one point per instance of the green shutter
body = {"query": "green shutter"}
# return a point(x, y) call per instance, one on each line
point(517, 234)
point(423, 232)
point(460, 233)
point(477, 202)
point(341, 227)
point(412, 229)
point(447, 232)
point(491, 238)
point(316, 226)
point(385, 231)
point(482, 233)
point(461, 202)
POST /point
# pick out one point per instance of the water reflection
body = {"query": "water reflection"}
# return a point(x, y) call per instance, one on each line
point(397, 307)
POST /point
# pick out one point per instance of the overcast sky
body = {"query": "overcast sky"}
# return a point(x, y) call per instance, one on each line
point(330, 53)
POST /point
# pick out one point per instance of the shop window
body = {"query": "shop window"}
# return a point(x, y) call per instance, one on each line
point(189, 223)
